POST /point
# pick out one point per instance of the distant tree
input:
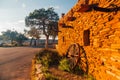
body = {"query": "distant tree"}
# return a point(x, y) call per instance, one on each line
point(1, 37)
point(34, 33)
point(43, 20)
point(54, 30)
point(14, 36)
point(20, 38)
point(9, 35)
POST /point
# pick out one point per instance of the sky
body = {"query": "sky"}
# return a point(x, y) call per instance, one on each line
point(13, 12)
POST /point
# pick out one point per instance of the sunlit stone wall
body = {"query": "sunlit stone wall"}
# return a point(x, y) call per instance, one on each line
point(98, 31)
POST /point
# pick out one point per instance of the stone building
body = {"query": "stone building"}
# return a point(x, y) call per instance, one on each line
point(94, 25)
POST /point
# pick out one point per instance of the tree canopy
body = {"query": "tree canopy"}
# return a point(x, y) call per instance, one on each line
point(13, 36)
point(45, 20)
point(1, 38)
point(34, 33)
point(9, 35)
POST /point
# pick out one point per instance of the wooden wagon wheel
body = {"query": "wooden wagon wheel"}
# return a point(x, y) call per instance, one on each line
point(77, 56)
point(73, 55)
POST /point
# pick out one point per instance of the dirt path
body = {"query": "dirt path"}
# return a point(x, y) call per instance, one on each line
point(15, 63)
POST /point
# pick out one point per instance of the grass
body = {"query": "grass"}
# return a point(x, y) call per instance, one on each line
point(64, 65)
point(49, 76)
point(48, 57)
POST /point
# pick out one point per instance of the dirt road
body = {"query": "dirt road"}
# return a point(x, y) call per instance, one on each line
point(15, 63)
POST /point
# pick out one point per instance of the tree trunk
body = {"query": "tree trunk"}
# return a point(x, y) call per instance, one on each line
point(20, 43)
point(31, 42)
point(53, 39)
point(12, 41)
point(35, 42)
point(46, 42)
point(45, 33)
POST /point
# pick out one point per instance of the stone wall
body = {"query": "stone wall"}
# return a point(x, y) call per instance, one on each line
point(98, 31)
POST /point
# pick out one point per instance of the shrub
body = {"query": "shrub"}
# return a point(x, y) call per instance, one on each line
point(64, 65)
point(49, 76)
point(47, 57)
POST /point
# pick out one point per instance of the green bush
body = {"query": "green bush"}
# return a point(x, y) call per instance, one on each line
point(78, 70)
point(47, 57)
point(49, 76)
point(65, 65)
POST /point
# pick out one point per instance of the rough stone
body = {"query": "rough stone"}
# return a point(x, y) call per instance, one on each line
point(104, 38)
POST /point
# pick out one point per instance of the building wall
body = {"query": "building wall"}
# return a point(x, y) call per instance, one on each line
point(103, 50)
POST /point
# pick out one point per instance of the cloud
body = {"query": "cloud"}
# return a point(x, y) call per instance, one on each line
point(23, 5)
point(17, 25)
point(21, 21)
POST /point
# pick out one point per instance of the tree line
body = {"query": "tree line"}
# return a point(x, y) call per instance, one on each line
point(15, 37)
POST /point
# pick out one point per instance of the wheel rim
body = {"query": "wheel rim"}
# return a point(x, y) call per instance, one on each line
point(83, 63)
point(77, 56)
point(73, 55)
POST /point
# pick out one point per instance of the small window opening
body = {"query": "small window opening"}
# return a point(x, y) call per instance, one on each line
point(63, 39)
point(86, 37)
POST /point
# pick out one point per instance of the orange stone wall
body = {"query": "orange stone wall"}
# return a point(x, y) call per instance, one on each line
point(103, 53)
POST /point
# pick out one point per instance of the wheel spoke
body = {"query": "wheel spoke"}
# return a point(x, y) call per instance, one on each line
point(76, 55)
point(73, 54)
point(72, 62)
